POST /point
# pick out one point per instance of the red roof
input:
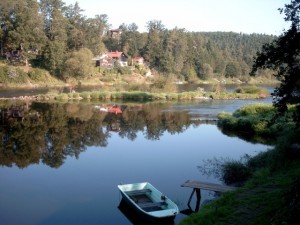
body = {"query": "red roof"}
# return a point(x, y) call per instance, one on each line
point(115, 54)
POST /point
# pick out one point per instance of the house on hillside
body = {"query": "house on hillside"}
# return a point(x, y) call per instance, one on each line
point(108, 60)
point(120, 57)
point(103, 60)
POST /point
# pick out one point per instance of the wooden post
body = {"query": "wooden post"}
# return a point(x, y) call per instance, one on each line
point(191, 197)
point(198, 195)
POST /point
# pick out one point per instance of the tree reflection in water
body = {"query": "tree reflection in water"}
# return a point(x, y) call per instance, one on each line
point(31, 132)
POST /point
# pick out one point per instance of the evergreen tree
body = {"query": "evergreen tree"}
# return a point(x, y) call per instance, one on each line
point(55, 24)
point(75, 27)
point(153, 48)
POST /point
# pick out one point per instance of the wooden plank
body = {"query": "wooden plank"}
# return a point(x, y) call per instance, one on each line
point(138, 192)
point(207, 186)
point(151, 204)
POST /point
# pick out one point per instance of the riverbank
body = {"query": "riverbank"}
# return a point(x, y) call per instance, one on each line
point(271, 194)
point(241, 93)
point(29, 77)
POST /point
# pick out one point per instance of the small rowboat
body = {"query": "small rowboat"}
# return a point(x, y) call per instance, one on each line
point(149, 201)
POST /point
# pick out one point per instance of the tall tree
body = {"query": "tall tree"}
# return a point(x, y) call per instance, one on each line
point(283, 56)
point(153, 48)
point(75, 30)
point(94, 31)
point(55, 25)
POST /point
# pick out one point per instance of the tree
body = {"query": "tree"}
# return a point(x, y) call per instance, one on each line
point(232, 69)
point(75, 31)
point(21, 26)
point(206, 71)
point(78, 65)
point(55, 25)
point(283, 56)
point(153, 49)
point(94, 30)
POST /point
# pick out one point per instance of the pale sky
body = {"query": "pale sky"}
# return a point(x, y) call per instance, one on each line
point(246, 16)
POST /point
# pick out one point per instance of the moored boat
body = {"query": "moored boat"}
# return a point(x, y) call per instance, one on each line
point(149, 201)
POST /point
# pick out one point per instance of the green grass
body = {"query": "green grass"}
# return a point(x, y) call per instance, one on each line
point(262, 200)
point(271, 194)
point(150, 96)
point(257, 119)
point(252, 90)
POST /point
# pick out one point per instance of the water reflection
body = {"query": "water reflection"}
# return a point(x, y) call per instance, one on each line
point(49, 132)
point(139, 219)
point(118, 148)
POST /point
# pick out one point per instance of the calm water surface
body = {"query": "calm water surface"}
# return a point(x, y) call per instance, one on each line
point(82, 188)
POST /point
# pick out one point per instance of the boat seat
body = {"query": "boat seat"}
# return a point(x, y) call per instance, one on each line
point(152, 204)
point(138, 192)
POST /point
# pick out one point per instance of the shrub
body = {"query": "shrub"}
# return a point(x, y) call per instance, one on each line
point(78, 64)
point(3, 74)
point(104, 95)
point(235, 172)
point(124, 70)
point(251, 90)
point(95, 95)
point(85, 95)
point(62, 97)
point(37, 75)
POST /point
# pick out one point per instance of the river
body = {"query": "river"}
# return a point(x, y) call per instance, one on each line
point(61, 162)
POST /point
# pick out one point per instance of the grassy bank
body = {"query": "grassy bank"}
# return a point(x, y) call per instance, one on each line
point(271, 193)
point(148, 96)
point(257, 120)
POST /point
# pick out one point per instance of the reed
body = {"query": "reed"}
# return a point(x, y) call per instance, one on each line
point(149, 96)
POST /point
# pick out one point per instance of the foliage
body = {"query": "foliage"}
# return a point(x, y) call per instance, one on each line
point(12, 74)
point(252, 90)
point(49, 32)
point(263, 200)
point(160, 84)
point(283, 56)
point(38, 75)
point(79, 64)
point(271, 190)
point(257, 119)
point(232, 69)
point(231, 172)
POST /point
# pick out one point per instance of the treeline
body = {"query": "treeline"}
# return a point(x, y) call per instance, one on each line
point(59, 38)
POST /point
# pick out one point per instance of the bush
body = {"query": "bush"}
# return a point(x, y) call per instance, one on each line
point(95, 95)
point(3, 74)
point(252, 90)
point(124, 70)
point(62, 97)
point(37, 75)
point(253, 109)
point(235, 172)
point(85, 95)
point(78, 64)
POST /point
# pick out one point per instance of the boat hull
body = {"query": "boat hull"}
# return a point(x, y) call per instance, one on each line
point(148, 201)
point(136, 217)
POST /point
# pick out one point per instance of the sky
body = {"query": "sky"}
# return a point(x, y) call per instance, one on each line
point(245, 16)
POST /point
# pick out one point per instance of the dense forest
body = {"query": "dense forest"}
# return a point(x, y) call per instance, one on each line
point(57, 37)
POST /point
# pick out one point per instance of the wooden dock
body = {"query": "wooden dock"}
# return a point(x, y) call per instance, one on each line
point(207, 186)
point(198, 185)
